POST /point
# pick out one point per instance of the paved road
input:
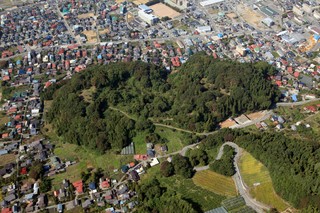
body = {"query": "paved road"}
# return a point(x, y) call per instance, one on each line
point(296, 103)
point(266, 116)
point(241, 187)
point(201, 168)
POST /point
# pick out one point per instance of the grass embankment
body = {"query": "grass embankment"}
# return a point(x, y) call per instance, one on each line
point(87, 159)
point(201, 199)
point(215, 182)
point(257, 178)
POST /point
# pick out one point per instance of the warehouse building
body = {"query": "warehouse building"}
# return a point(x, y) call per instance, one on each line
point(148, 18)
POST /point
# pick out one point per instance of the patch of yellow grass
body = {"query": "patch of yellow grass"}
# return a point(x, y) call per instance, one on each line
point(4, 119)
point(8, 158)
point(91, 35)
point(87, 94)
point(253, 173)
point(85, 15)
point(215, 182)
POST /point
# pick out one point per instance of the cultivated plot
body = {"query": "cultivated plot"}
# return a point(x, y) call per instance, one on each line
point(257, 178)
point(215, 182)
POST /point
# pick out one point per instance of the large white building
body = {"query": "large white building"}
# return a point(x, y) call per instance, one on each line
point(148, 18)
point(203, 29)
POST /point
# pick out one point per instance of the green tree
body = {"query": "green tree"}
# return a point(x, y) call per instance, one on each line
point(166, 169)
point(182, 166)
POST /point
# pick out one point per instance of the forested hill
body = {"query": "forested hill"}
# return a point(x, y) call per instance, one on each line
point(202, 93)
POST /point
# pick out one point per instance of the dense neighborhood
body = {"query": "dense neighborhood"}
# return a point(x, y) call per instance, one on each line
point(45, 42)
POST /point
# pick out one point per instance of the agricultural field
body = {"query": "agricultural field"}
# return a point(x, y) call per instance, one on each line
point(215, 182)
point(233, 203)
point(201, 198)
point(257, 178)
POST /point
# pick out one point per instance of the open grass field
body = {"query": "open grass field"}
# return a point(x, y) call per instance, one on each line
point(162, 10)
point(314, 121)
point(174, 140)
point(257, 178)
point(7, 158)
point(215, 182)
point(202, 199)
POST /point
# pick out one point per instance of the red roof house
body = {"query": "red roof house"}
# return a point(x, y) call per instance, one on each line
point(296, 74)
point(5, 135)
point(6, 210)
point(105, 184)
point(6, 78)
point(79, 186)
point(23, 171)
point(140, 157)
point(310, 109)
point(279, 83)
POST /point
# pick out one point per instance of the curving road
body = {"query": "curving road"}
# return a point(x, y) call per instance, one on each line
point(241, 187)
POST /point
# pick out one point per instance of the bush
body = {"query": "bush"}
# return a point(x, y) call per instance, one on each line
point(166, 169)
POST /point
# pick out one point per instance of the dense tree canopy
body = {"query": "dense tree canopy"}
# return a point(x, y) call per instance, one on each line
point(225, 165)
point(293, 163)
point(204, 92)
point(154, 198)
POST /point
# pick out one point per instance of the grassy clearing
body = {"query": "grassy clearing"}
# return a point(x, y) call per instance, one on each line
point(254, 172)
point(314, 122)
point(215, 182)
point(8, 158)
point(174, 140)
point(139, 143)
point(201, 199)
point(88, 93)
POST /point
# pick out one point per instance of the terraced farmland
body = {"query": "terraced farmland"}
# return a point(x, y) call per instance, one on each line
point(256, 177)
point(215, 182)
